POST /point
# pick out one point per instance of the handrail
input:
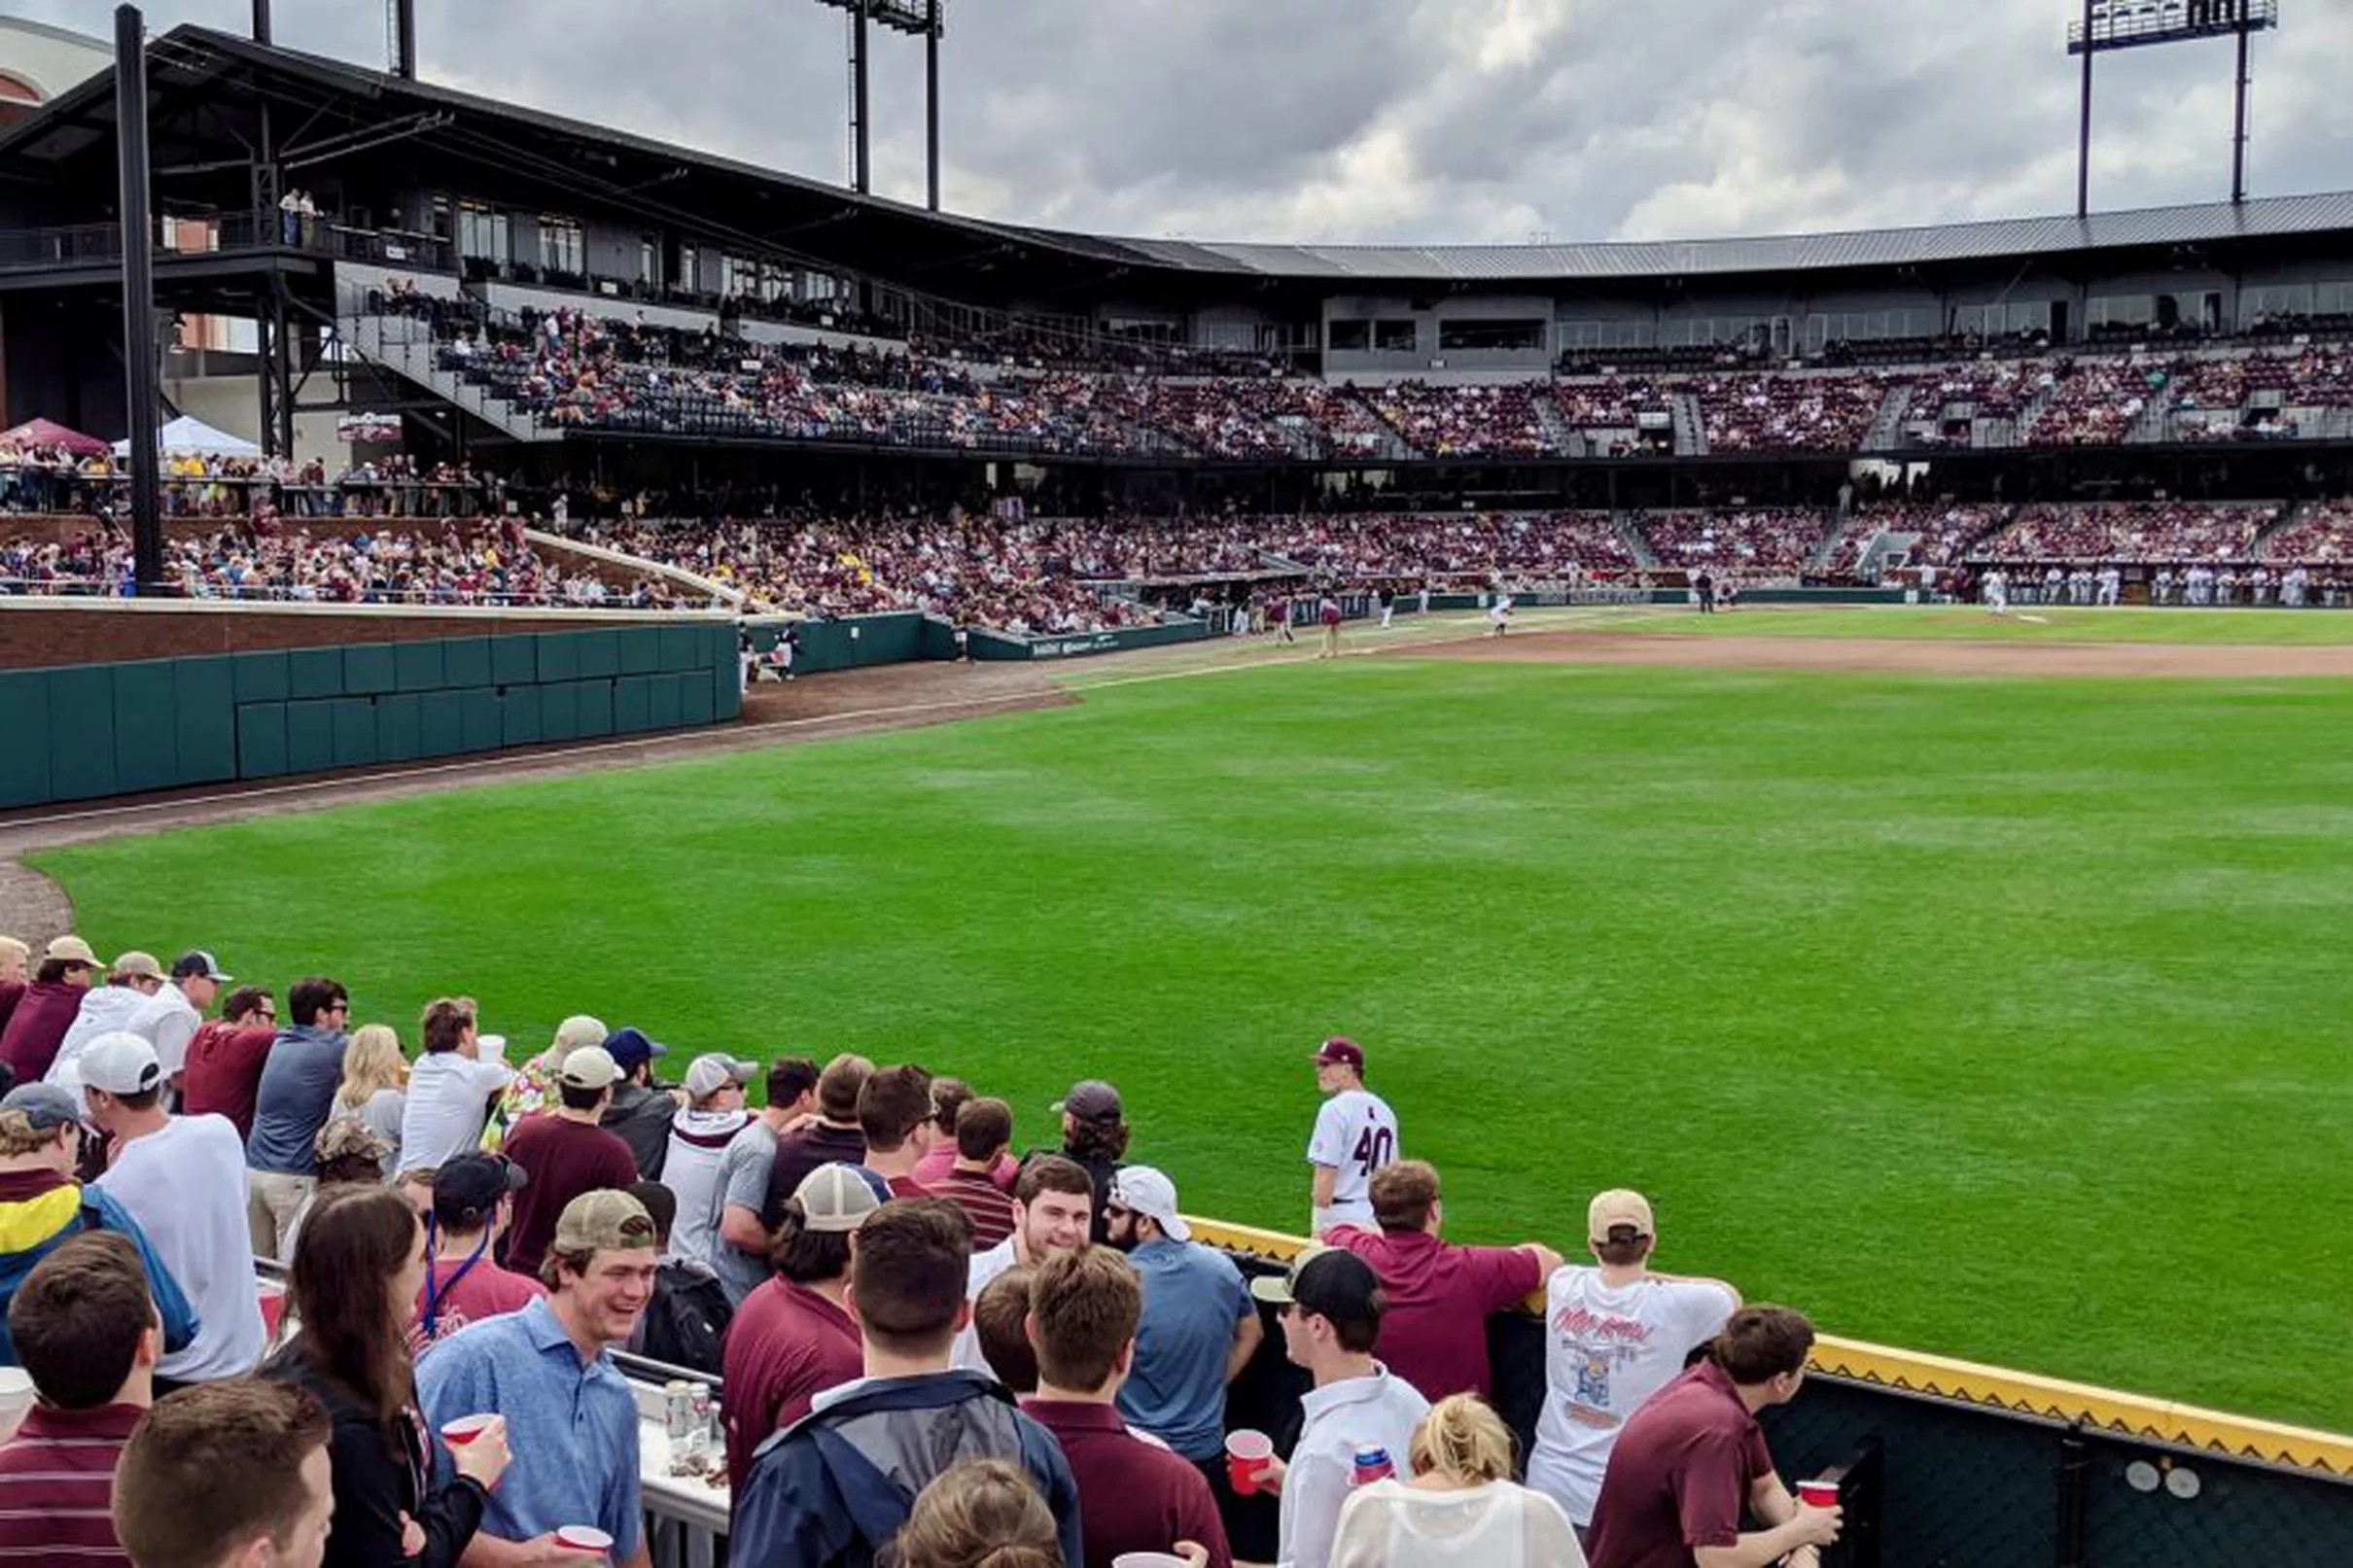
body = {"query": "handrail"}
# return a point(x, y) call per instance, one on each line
point(1969, 1382)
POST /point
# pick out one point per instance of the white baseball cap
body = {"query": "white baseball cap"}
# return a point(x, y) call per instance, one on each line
point(1141, 1190)
point(121, 1063)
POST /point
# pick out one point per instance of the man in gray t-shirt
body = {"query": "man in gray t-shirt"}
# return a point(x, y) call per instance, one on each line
point(741, 1256)
point(298, 1090)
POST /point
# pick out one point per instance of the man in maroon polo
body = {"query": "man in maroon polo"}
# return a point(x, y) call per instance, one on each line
point(88, 1333)
point(1691, 1459)
point(1440, 1295)
point(793, 1337)
point(1132, 1495)
point(225, 1059)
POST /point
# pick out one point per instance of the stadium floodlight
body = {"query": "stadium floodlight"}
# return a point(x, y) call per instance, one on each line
point(2109, 25)
point(924, 18)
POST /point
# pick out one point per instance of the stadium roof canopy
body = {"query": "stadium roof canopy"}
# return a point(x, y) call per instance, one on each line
point(505, 152)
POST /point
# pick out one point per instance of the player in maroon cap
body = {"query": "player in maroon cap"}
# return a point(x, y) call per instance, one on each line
point(1356, 1134)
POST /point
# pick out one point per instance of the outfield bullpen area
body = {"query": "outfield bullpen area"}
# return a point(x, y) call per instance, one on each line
point(1990, 1017)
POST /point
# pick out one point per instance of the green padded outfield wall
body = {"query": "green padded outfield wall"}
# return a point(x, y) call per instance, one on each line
point(85, 731)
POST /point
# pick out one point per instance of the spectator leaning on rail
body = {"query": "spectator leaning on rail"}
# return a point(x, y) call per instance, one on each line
point(48, 1008)
point(41, 1204)
point(834, 1487)
point(450, 1088)
point(225, 1058)
point(84, 1330)
point(571, 1420)
point(1133, 1495)
point(534, 1084)
point(176, 1011)
point(1356, 1134)
point(292, 1102)
point(1331, 1308)
point(740, 1193)
point(182, 1180)
point(170, 1508)
point(640, 1110)
point(700, 1132)
point(1692, 1462)
point(1613, 1336)
point(833, 1139)
point(12, 957)
point(564, 1152)
point(1200, 1325)
point(793, 1337)
point(135, 980)
point(1433, 1333)
point(1094, 1135)
point(1461, 1509)
point(1051, 1203)
point(895, 1116)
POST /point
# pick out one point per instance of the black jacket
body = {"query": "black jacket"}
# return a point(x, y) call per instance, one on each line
point(641, 1116)
point(376, 1482)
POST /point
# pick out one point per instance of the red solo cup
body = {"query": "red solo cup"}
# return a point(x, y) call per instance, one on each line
point(1819, 1493)
point(586, 1538)
point(273, 1308)
point(1246, 1455)
point(465, 1429)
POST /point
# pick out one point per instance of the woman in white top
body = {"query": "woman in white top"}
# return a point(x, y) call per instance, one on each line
point(1461, 1506)
point(371, 1093)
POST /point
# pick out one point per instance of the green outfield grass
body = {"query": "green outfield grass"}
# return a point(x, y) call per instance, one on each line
point(2000, 1018)
point(2029, 623)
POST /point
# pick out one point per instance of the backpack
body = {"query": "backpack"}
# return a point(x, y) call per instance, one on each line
point(685, 1322)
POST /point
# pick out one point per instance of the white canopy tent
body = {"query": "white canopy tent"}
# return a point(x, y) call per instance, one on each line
point(187, 434)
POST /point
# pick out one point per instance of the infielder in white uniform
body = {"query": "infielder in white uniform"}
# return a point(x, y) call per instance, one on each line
point(1356, 1134)
point(1997, 592)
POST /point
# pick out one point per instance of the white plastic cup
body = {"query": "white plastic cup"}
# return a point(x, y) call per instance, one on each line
point(1147, 1559)
point(587, 1539)
point(491, 1047)
point(15, 1399)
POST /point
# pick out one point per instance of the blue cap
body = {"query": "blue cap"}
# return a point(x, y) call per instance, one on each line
point(47, 1106)
point(628, 1047)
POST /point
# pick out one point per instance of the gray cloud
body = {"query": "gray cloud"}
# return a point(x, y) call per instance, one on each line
point(1404, 119)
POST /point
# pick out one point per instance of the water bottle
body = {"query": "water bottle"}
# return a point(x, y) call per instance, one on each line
point(1372, 1465)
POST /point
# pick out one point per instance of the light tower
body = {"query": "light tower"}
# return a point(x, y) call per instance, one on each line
point(924, 18)
point(2108, 25)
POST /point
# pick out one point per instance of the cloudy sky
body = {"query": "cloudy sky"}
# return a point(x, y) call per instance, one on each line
point(1405, 120)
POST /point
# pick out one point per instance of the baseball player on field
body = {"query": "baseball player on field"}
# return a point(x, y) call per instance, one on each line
point(1356, 1134)
point(1996, 588)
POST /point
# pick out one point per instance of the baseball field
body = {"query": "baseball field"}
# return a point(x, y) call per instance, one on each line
point(1993, 1014)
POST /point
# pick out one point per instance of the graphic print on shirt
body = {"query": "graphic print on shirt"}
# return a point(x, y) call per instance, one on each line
point(1597, 1345)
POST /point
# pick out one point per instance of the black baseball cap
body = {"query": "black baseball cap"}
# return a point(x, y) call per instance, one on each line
point(467, 1190)
point(198, 965)
point(1328, 1281)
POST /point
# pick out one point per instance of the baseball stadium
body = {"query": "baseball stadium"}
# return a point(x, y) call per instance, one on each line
point(1840, 735)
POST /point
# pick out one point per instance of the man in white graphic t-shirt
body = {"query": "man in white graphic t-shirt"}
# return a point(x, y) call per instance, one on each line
point(1356, 1134)
point(1613, 1336)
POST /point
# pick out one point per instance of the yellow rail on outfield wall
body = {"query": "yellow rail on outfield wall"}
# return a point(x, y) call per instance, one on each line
point(1967, 1382)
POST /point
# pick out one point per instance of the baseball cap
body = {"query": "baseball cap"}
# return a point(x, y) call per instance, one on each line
point(1340, 1052)
point(835, 1198)
point(138, 966)
point(709, 1074)
point(1328, 1281)
point(1090, 1100)
point(347, 1137)
point(198, 965)
point(70, 950)
point(576, 1032)
point(47, 1106)
point(121, 1063)
point(466, 1189)
point(608, 1220)
point(591, 1067)
point(628, 1047)
point(1141, 1190)
point(1619, 1206)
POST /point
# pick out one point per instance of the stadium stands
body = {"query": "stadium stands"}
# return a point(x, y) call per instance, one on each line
point(2146, 532)
point(1774, 545)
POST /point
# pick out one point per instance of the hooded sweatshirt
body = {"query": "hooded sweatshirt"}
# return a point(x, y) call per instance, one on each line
point(698, 1140)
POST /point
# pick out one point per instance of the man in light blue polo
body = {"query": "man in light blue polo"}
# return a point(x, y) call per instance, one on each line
point(1200, 1327)
point(571, 1418)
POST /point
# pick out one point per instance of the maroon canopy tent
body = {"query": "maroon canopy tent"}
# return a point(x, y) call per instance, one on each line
point(49, 433)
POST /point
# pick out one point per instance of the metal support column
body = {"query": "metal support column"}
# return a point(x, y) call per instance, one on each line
point(861, 170)
point(139, 372)
point(277, 367)
point(2083, 141)
point(405, 38)
point(260, 21)
point(931, 97)
point(2238, 122)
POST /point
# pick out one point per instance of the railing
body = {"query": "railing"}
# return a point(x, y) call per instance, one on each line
point(222, 233)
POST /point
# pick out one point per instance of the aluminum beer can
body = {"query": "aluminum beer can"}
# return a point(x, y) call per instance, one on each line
point(678, 1409)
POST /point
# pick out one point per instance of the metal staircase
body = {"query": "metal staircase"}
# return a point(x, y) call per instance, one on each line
point(404, 346)
point(1691, 429)
point(1887, 425)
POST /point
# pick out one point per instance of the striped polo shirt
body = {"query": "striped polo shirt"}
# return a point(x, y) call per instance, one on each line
point(56, 1481)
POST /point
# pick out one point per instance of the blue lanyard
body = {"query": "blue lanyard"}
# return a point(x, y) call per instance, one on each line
point(436, 1289)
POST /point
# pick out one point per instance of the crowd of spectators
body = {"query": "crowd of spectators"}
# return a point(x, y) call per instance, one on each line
point(2150, 530)
point(934, 1350)
point(2094, 402)
point(1753, 544)
point(1942, 534)
point(1820, 412)
point(267, 559)
point(2320, 534)
point(37, 481)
